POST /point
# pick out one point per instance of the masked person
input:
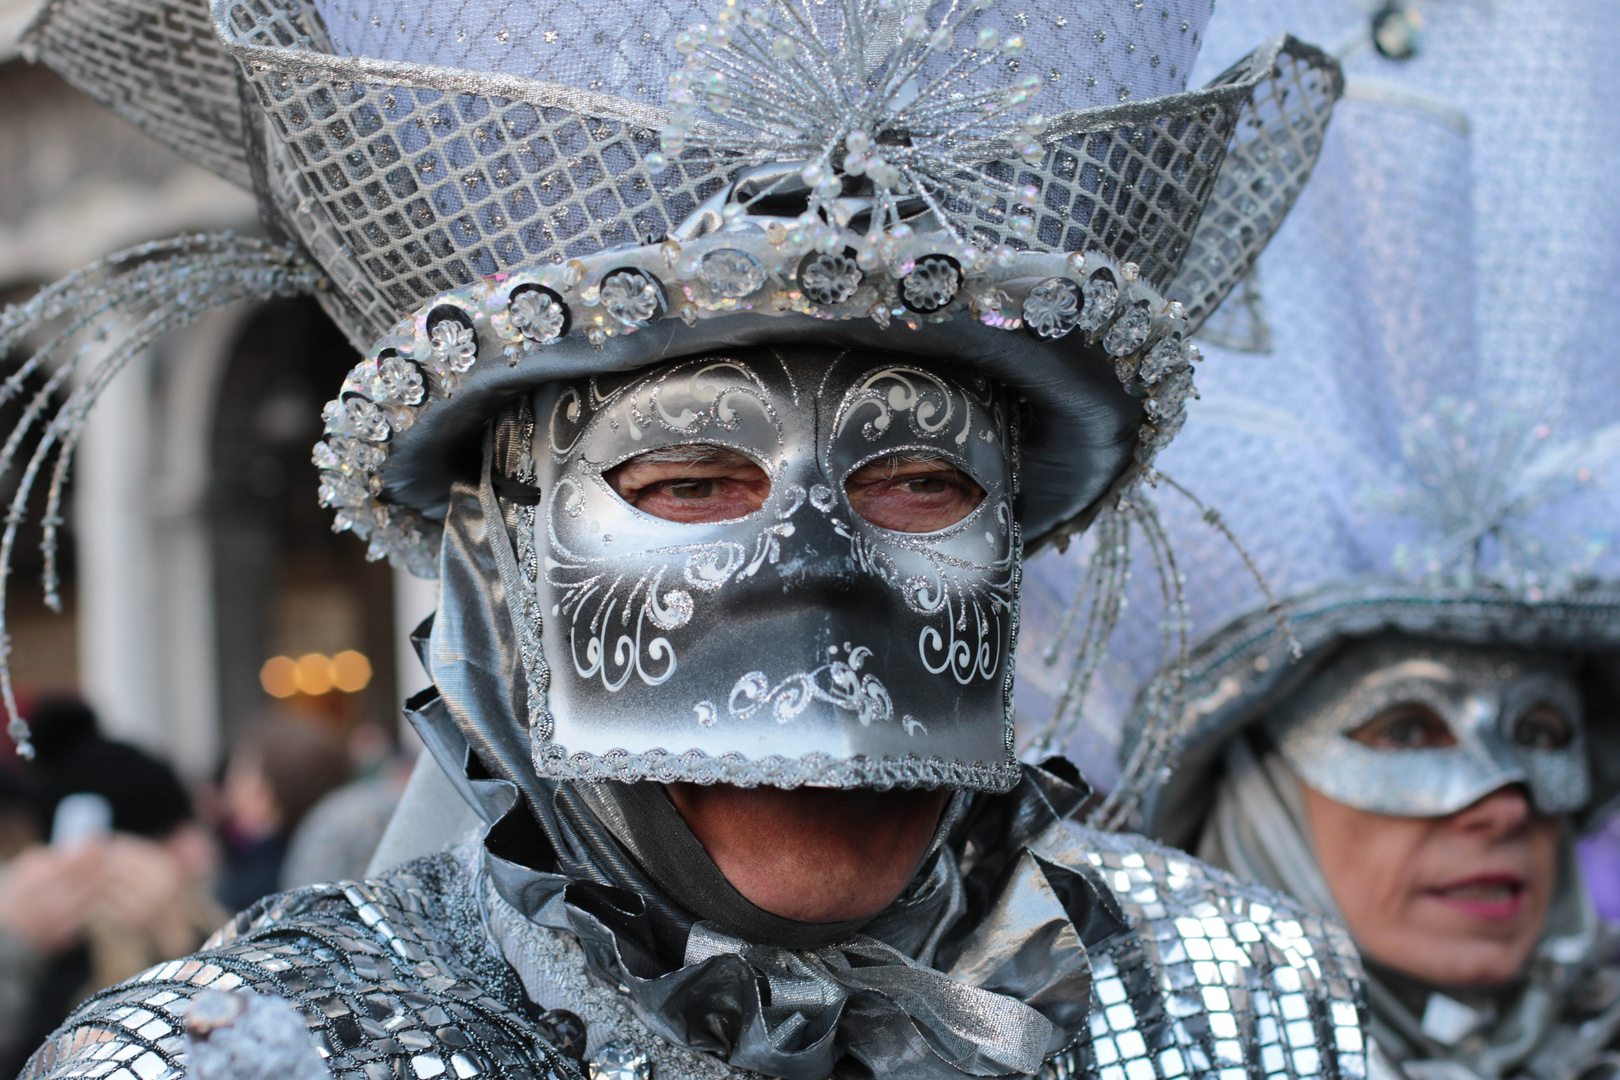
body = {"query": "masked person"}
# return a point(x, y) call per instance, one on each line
point(724, 426)
point(1426, 478)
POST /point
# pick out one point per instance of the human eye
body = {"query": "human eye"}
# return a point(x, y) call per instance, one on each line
point(1408, 726)
point(923, 485)
point(691, 488)
point(691, 484)
point(1543, 727)
point(913, 493)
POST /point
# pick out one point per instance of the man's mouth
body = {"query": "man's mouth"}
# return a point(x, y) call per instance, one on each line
point(1487, 896)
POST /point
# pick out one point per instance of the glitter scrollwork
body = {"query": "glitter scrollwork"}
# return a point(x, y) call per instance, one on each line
point(968, 653)
point(927, 403)
point(630, 654)
point(839, 683)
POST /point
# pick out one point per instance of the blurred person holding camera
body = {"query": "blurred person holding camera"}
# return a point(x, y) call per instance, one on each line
point(123, 882)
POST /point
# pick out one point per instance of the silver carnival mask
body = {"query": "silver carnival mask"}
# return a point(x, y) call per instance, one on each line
point(799, 643)
point(1510, 716)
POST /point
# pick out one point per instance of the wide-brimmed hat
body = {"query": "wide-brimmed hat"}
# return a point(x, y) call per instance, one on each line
point(1042, 244)
point(1034, 197)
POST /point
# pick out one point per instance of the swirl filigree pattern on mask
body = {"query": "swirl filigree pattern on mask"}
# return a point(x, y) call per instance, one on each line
point(799, 635)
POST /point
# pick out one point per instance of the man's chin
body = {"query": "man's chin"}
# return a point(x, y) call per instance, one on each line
point(813, 854)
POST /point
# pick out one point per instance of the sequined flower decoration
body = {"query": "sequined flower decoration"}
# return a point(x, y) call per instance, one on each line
point(859, 90)
point(630, 297)
point(731, 273)
point(1129, 332)
point(1102, 296)
point(339, 490)
point(1164, 357)
point(356, 417)
point(397, 381)
point(454, 346)
point(537, 315)
point(1052, 308)
point(933, 284)
point(351, 457)
point(829, 278)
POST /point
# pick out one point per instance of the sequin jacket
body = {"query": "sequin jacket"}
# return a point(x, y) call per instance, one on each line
point(406, 976)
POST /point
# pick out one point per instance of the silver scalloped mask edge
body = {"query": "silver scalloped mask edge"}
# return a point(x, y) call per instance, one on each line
point(809, 770)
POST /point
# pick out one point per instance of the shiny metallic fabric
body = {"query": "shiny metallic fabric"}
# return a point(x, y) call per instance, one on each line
point(432, 972)
point(393, 977)
point(798, 644)
point(1481, 695)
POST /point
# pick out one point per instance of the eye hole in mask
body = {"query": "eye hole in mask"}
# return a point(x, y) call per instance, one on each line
point(912, 492)
point(1408, 726)
point(691, 484)
point(1543, 727)
point(700, 483)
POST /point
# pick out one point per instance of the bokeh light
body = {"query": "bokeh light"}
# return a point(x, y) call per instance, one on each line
point(279, 676)
point(351, 671)
point(315, 674)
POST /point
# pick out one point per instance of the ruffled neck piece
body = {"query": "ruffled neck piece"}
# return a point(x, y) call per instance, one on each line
point(979, 969)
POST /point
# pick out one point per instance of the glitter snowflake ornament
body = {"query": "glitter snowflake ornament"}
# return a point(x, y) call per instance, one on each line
point(872, 97)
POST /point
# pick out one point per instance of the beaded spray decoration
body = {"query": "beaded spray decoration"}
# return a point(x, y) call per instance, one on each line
point(97, 320)
point(766, 84)
point(1101, 598)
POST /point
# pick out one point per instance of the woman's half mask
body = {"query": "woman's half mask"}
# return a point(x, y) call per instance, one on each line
point(1402, 727)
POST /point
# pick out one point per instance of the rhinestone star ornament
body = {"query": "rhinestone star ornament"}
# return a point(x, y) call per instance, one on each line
point(874, 99)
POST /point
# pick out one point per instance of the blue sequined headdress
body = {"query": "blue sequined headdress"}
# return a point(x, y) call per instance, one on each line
point(1431, 445)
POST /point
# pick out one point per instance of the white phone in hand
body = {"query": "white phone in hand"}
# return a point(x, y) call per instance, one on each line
point(79, 818)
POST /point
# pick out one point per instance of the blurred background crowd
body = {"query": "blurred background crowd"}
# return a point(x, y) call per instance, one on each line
point(110, 862)
point(216, 707)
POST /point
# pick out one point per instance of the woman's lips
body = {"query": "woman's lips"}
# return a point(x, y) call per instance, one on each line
point(1488, 896)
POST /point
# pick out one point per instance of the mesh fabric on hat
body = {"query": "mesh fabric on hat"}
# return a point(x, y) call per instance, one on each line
point(1090, 53)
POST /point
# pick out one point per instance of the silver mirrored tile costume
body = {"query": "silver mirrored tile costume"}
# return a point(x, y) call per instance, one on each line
point(841, 237)
point(1422, 462)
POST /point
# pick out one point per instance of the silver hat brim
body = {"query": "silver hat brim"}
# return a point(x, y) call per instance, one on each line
point(1081, 434)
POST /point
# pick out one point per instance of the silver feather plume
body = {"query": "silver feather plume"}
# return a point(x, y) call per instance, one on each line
point(85, 329)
